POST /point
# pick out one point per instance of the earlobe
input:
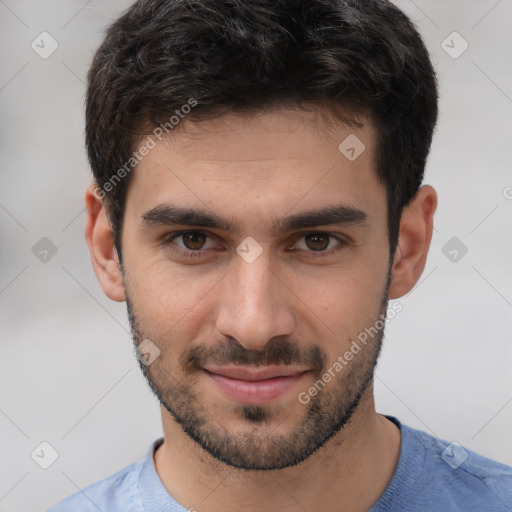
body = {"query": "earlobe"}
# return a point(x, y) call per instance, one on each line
point(100, 239)
point(416, 228)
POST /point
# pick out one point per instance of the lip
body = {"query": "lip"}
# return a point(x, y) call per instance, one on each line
point(255, 374)
point(255, 386)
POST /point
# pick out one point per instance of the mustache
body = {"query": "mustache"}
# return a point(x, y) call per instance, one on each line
point(278, 352)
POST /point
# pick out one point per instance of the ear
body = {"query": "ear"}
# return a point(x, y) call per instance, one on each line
point(100, 239)
point(416, 228)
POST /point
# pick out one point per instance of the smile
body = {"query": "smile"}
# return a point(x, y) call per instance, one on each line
point(254, 388)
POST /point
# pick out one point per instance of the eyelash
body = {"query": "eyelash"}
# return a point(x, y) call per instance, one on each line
point(169, 243)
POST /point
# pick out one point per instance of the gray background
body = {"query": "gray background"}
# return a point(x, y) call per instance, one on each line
point(68, 374)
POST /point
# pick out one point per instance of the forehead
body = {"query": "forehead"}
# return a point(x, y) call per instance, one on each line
point(269, 163)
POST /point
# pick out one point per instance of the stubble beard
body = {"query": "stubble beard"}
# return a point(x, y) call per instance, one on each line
point(260, 447)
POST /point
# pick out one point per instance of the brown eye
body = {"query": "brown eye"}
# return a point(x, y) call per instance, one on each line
point(317, 241)
point(193, 241)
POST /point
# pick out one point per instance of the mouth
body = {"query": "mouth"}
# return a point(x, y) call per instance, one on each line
point(255, 386)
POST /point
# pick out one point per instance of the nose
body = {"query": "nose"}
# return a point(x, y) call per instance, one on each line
point(255, 304)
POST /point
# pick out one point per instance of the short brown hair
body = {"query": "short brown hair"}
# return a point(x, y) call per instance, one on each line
point(361, 56)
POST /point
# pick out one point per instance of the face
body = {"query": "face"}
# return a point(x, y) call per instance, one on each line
point(255, 253)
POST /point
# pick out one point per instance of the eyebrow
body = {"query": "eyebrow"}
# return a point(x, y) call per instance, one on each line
point(166, 214)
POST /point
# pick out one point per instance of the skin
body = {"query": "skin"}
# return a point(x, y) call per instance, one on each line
point(286, 303)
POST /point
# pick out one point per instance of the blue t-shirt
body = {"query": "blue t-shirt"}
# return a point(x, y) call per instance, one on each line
point(432, 475)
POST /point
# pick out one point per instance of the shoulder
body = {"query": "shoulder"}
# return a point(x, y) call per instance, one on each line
point(118, 492)
point(454, 477)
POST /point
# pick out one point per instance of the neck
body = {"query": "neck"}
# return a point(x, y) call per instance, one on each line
point(349, 473)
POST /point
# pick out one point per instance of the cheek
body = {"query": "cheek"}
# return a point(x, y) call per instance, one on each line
point(340, 308)
point(168, 304)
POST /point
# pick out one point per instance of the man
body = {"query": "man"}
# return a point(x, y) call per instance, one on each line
point(256, 202)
